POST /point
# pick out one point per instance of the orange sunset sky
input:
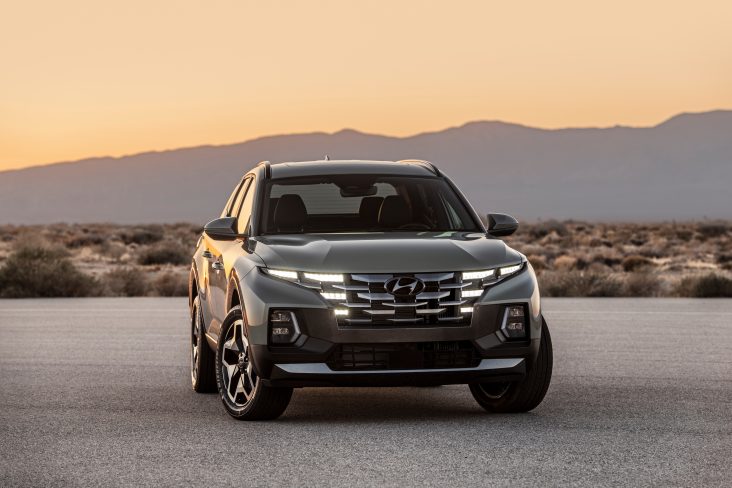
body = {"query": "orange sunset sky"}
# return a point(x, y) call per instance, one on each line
point(85, 78)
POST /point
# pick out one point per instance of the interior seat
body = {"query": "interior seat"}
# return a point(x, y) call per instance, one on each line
point(394, 212)
point(290, 214)
point(369, 210)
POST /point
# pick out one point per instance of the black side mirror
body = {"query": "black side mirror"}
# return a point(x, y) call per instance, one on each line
point(222, 229)
point(500, 225)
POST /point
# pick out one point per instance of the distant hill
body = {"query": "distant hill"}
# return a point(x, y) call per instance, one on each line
point(680, 169)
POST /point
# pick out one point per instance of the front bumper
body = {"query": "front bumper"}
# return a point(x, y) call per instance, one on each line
point(308, 361)
point(320, 374)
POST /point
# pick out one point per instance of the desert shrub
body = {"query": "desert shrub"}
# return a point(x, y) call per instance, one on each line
point(565, 263)
point(642, 285)
point(606, 260)
point(186, 233)
point(707, 286)
point(712, 229)
point(652, 252)
point(148, 234)
point(582, 263)
point(42, 271)
point(543, 229)
point(684, 234)
point(598, 268)
point(171, 284)
point(638, 239)
point(7, 233)
point(636, 262)
point(537, 262)
point(580, 284)
point(166, 252)
point(85, 240)
point(125, 282)
point(601, 285)
point(114, 250)
point(555, 284)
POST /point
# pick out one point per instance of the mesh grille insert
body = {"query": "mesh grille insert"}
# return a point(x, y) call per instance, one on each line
point(417, 355)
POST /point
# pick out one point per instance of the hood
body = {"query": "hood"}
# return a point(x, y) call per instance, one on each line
point(403, 252)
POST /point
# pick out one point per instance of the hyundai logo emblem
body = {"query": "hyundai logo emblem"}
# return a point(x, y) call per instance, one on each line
point(404, 286)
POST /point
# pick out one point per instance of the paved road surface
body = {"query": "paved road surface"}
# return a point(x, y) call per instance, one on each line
point(96, 392)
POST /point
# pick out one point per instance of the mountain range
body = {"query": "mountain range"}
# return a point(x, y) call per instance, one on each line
point(680, 169)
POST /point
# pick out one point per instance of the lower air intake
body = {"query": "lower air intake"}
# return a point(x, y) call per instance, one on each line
point(418, 355)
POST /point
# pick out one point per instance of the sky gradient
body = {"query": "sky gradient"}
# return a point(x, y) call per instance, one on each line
point(84, 78)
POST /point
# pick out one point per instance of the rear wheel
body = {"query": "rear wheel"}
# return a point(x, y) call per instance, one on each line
point(203, 365)
point(524, 395)
point(244, 396)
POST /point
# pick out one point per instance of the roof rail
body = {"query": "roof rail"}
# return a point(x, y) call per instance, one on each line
point(424, 163)
point(267, 171)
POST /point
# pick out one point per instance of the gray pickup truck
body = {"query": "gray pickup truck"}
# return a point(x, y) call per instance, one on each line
point(352, 273)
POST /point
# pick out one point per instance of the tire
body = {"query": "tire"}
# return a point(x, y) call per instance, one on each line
point(524, 395)
point(244, 396)
point(203, 358)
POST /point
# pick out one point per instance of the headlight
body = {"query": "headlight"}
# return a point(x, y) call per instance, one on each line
point(321, 282)
point(281, 273)
point(304, 276)
point(479, 275)
point(324, 277)
point(493, 275)
point(508, 270)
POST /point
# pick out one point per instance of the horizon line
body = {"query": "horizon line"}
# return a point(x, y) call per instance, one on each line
point(349, 129)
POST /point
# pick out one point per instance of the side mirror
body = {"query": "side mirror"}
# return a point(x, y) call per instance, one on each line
point(500, 225)
point(222, 229)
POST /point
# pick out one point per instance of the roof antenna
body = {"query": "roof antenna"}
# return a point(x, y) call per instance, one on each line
point(327, 158)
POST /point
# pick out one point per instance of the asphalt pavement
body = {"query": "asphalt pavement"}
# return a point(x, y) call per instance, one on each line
point(96, 392)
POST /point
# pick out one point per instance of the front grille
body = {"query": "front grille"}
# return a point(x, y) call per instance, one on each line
point(440, 303)
point(418, 355)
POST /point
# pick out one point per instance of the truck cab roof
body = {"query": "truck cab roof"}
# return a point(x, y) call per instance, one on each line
point(411, 167)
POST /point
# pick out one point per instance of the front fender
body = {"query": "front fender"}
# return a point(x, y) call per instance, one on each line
point(262, 292)
point(520, 288)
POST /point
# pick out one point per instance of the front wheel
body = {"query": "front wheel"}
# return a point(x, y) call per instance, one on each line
point(524, 395)
point(203, 376)
point(244, 396)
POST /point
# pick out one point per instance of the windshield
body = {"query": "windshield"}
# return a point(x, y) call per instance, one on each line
point(363, 203)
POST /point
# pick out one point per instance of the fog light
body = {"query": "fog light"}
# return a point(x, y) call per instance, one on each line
point(466, 309)
point(283, 327)
point(514, 312)
point(514, 322)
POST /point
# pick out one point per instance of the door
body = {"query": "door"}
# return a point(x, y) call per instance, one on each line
point(219, 255)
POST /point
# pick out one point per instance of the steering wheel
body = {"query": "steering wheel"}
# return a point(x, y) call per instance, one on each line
point(414, 226)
